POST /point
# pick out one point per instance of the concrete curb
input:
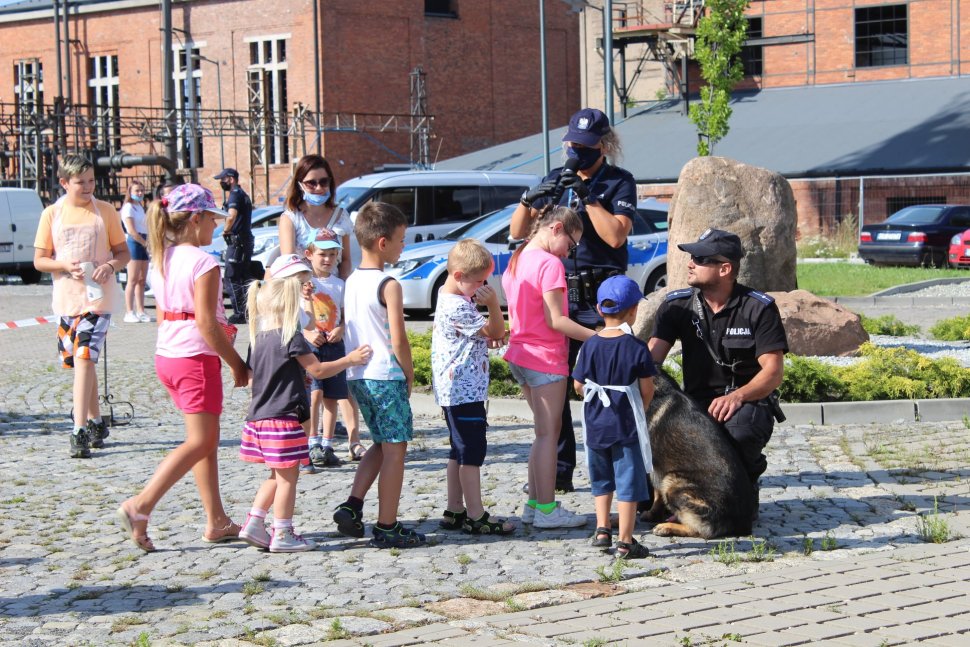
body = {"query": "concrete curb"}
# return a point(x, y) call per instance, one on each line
point(812, 413)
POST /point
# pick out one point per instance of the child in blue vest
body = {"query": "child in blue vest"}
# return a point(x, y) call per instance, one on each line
point(614, 373)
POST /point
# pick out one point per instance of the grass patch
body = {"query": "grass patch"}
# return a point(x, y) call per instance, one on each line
point(932, 528)
point(123, 623)
point(840, 243)
point(337, 631)
point(614, 573)
point(829, 542)
point(252, 588)
point(853, 280)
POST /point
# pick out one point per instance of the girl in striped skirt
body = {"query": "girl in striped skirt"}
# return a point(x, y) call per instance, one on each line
point(276, 426)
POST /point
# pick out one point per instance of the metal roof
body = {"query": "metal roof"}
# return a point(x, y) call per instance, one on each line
point(890, 127)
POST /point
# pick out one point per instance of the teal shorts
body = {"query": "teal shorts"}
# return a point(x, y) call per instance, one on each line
point(385, 408)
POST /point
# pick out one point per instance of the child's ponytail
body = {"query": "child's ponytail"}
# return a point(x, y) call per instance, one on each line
point(570, 220)
point(164, 228)
point(252, 308)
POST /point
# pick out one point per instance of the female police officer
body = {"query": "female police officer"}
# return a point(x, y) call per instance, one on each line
point(605, 197)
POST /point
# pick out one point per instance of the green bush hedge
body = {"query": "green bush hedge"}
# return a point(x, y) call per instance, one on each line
point(953, 329)
point(888, 325)
point(880, 374)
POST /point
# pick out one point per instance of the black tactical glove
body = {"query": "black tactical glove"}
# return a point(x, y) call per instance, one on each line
point(571, 181)
point(543, 190)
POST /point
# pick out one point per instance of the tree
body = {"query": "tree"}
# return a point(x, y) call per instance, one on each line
point(720, 36)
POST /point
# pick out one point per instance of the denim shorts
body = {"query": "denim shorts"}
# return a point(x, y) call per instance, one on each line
point(137, 250)
point(532, 378)
point(335, 386)
point(619, 469)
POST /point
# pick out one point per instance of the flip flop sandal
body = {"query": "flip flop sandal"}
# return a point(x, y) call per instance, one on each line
point(357, 451)
point(632, 550)
point(599, 541)
point(482, 526)
point(127, 520)
point(229, 532)
point(453, 520)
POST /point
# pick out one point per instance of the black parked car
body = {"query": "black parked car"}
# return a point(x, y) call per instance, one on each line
point(918, 235)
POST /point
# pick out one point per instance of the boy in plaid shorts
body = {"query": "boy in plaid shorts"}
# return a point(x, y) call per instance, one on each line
point(80, 242)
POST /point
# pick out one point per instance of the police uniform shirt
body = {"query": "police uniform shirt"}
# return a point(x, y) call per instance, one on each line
point(242, 226)
point(747, 327)
point(614, 189)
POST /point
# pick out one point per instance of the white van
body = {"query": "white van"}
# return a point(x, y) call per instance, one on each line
point(20, 211)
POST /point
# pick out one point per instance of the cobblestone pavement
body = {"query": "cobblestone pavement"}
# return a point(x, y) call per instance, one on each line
point(837, 554)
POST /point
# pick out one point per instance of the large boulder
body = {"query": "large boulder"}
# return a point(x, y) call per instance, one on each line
point(754, 203)
point(814, 326)
point(817, 326)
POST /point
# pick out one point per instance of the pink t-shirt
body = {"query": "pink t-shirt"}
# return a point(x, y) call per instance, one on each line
point(532, 343)
point(184, 264)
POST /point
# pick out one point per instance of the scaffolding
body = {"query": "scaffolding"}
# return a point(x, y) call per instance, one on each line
point(34, 133)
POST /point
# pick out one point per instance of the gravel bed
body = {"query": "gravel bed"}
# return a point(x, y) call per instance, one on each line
point(961, 289)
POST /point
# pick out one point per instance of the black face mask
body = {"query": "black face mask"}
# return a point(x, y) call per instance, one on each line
point(226, 186)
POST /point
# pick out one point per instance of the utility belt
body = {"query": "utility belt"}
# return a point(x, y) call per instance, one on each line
point(581, 286)
point(238, 241)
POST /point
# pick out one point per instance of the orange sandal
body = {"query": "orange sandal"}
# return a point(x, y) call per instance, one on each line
point(128, 520)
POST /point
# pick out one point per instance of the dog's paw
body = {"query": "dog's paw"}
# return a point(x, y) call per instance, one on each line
point(664, 530)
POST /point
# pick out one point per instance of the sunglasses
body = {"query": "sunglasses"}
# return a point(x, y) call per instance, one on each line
point(707, 260)
point(573, 243)
point(323, 183)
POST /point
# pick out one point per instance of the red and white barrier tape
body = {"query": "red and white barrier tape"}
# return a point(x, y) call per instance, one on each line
point(23, 323)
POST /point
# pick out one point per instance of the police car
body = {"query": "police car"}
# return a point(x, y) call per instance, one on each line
point(422, 268)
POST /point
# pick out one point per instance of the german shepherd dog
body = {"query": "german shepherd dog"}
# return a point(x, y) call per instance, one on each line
point(697, 473)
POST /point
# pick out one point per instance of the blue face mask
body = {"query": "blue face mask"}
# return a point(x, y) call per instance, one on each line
point(587, 156)
point(316, 199)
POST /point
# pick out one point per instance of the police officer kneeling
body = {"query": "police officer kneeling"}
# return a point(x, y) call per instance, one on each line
point(733, 345)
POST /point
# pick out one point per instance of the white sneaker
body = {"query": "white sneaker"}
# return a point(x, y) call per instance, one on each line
point(143, 317)
point(254, 532)
point(285, 540)
point(131, 317)
point(528, 513)
point(560, 517)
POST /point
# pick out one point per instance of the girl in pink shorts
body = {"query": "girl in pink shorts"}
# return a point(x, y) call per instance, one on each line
point(192, 337)
point(277, 424)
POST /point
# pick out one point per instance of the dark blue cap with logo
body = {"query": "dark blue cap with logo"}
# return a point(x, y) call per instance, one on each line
point(226, 172)
point(716, 242)
point(587, 127)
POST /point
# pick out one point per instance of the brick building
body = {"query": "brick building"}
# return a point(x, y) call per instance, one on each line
point(467, 70)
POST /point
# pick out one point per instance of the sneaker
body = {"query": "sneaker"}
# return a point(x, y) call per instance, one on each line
point(254, 532)
point(285, 540)
point(528, 514)
point(560, 517)
point(349, 522)
point(317, 456)
point(397, 537)
point(564, 483)
point(131, 317)
point(97, 432)
point(237, 318)
point(330, 458)
point(80, 444)
point(308, 468)
point(143, 317)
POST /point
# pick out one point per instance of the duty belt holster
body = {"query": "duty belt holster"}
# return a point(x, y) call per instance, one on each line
point(581, 286)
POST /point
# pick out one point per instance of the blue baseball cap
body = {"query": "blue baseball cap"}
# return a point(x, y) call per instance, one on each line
point(621, 290)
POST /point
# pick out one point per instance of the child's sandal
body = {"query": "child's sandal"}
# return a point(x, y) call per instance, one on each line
point(357, 451)
point(482, 526)
point(632, 550)
point(453, 520)
point(602, 538)
point(127, 520)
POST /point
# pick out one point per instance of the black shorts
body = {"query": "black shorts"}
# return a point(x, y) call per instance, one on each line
point(466, 430)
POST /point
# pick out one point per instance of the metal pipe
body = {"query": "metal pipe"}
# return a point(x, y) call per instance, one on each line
point(57, 49)
point(69, 97)
point(608, 57)
point(545, 98)
point(190, 117)
point(168, 90)
point(124, 160)
point(316, 74)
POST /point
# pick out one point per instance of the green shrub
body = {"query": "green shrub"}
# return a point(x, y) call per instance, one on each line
point(810, 380)
point(898, 373)
point(421, 357)
point(888, 325)
point(841, 242)
point(502, 384)
point(953, 329)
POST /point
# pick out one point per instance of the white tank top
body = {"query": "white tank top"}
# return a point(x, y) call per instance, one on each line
point(366, 320)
